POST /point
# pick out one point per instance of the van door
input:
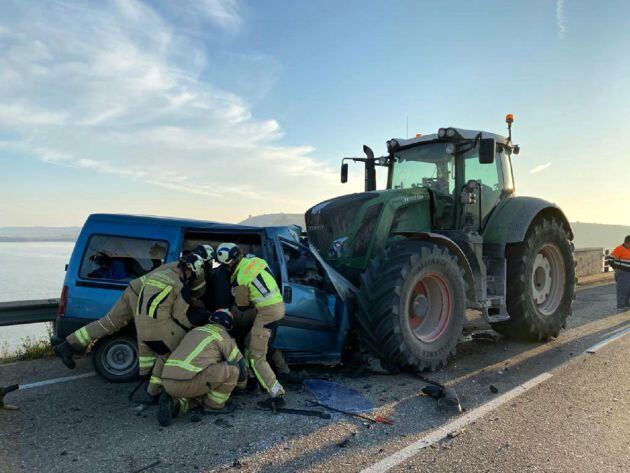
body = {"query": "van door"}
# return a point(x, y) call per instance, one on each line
point(310, 323)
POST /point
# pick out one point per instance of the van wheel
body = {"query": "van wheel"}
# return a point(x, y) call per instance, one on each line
point(116, 359)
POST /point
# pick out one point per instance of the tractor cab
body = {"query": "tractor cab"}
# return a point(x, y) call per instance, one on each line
point(466, 173)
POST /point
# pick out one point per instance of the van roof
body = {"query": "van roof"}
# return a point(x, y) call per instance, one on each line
point(167, 221)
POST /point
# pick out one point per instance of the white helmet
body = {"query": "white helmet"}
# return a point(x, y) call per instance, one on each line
point(205, 251)
point(227, 252)
point(194, 262)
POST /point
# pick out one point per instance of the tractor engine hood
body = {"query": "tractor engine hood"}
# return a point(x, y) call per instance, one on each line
point(334, 218)
point(350, 224)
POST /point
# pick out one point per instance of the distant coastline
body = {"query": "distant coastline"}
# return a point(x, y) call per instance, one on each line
point(35, 239)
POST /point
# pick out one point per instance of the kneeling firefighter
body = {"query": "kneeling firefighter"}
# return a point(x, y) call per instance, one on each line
point(253, 283)
point(123, 311)
point(202, 371)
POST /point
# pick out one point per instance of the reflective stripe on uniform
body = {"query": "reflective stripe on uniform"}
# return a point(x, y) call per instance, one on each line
point(233, 354)
point(252, 364)
point(156, 300)
point(155, 380)
point(146, 361)
point(186, 364)
point(83, 337)
point(160, 297)
point(183, 405)
point(218, 397)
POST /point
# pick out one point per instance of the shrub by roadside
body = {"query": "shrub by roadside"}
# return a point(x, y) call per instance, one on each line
point(29, 349)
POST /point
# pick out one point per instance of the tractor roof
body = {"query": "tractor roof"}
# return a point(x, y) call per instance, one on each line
point(468, 134)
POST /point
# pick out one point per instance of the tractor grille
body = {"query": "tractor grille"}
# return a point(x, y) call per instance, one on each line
point(333, 218)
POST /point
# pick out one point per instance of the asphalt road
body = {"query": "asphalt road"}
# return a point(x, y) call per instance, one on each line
point(574, 418)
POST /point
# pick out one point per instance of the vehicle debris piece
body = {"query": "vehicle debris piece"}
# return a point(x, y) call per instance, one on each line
point(3, 392)
point(448, 400)
point(338, 396)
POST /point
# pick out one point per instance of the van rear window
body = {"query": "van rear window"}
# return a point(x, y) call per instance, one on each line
point(114, 258)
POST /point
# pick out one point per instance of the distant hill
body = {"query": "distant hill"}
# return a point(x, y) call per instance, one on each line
point(39, 233)
point(269, 220)
point(588, 235)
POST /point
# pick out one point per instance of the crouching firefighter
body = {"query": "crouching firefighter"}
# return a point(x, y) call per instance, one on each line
point(253, 283)
point(123, 311)
point(202, 371)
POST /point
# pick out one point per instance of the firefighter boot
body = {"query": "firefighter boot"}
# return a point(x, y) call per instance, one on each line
point(169, 409)
point(65, 351)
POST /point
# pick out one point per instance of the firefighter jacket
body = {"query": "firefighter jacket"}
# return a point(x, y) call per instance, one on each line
point(161, 313)
point(253, 282)
point(206, 347)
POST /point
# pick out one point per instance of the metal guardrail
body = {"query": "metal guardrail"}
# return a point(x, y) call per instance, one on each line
point(28, 312)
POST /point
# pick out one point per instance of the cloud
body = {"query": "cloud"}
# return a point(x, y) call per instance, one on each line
point(118, 89)
point(561, 19)
point(540, 168)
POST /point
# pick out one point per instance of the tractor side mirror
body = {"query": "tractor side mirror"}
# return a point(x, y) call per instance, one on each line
point(344, 173)
point(487, 149)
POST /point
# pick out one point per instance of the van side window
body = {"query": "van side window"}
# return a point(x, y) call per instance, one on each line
point(115, 258)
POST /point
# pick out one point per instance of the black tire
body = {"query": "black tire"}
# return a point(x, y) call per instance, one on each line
point(412, 305)
point(116, 358)
point(530, 319)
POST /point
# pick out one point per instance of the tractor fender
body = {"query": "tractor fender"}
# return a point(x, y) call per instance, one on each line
point(455, 249)
point(511, 220)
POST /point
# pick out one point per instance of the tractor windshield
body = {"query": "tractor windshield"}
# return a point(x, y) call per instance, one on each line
point(427, 166)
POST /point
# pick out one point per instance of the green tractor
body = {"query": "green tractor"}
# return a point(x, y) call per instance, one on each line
point(447, 234)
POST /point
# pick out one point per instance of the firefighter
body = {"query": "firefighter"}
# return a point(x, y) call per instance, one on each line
point(203, 371)
point(164, 315)
point(122, 312)
point(253, 283)
point(619, 259)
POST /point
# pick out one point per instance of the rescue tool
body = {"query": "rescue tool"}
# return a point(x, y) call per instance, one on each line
point(374, 420)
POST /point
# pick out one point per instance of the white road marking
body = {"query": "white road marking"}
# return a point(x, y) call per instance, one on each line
point(443, 431)
point(48, 382)
point(608, 340)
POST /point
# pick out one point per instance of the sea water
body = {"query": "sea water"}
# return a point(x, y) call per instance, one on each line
point(30, 270)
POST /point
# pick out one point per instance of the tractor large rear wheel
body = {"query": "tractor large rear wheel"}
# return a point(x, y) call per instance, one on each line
point(412, 305)
point(540, 283)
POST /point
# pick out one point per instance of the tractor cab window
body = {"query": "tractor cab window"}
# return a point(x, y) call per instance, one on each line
point(424, 166)
point(428, 166)
point(490, 182)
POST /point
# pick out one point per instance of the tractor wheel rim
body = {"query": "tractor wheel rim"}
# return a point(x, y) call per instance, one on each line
point(429, 307)
point(548, 279)
point(120, 358)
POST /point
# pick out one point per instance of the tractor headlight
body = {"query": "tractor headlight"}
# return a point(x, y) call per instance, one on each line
point(451, 132)
point(337, 247)
point(392, 145)
point(442, 133)
point(450, 148)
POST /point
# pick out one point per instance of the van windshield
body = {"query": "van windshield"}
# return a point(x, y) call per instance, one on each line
point(121, 259)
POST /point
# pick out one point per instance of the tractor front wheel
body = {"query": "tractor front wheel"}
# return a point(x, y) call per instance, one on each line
point(540, 283)
point(412, 305)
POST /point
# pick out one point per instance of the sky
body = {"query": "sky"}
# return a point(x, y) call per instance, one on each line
point(220, 109)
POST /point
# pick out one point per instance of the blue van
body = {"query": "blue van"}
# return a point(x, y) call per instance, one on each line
point(114, 249)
